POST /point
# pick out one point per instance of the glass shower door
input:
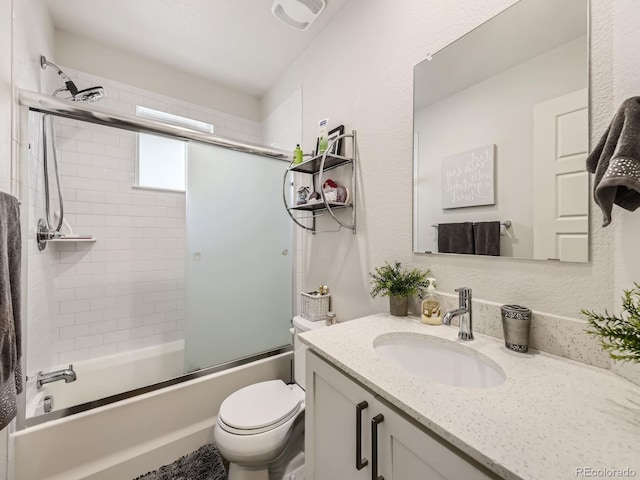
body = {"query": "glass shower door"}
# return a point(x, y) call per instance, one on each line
point(239, 260)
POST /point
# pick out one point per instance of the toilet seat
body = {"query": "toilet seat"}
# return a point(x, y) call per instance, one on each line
point(259, 408)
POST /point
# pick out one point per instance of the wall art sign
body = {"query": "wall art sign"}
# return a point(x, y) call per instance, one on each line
point(467, 178)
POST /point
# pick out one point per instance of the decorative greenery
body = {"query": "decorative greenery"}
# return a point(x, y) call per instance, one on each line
point(394, 281)
point(619, 336)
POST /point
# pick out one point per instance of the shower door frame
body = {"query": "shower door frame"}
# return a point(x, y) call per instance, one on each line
point(102, 116)
point(36, 102)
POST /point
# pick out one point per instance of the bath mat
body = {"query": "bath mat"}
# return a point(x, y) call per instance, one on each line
point(203, 464)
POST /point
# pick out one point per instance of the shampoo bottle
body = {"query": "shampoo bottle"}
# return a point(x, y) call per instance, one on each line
point(323, 140)
point(297, 155)
point(431, 305)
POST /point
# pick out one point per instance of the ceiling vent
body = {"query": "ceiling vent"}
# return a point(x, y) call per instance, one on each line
point(299, 14)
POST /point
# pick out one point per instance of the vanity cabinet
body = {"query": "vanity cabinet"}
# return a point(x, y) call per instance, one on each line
point(316, 167)
point(352, 434)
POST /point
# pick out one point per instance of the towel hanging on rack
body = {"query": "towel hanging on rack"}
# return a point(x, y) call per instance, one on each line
point(456, 238)
point(486, 238)
point(615, 160)
point(10, 331)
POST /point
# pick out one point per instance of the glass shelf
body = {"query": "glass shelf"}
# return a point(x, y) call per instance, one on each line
point(71, 240)
point(313, 164)
point(314, 207)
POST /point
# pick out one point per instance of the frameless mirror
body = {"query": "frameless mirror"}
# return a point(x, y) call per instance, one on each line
point(501, 131)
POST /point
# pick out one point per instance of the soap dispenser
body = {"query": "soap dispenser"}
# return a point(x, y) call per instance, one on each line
point(431, 305)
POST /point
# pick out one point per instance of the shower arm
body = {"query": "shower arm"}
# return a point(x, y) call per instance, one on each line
point(68, 83)
point(44, 63)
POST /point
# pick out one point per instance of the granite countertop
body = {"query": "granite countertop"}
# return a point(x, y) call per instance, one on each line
point(550, 417)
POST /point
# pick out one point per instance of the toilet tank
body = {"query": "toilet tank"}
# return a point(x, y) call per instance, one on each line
point(301, 325)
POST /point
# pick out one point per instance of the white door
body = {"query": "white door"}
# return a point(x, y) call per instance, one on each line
point(560, 179)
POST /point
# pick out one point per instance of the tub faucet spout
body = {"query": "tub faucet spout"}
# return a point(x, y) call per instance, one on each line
point(67, 374)
point(464, 312)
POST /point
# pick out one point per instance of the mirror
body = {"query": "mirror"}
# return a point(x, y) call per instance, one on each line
point(501, 134)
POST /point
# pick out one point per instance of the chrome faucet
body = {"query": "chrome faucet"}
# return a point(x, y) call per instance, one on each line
point(464, 307)
point(67, 374)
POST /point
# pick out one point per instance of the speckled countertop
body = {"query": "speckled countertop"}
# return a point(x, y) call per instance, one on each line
point(550, 417)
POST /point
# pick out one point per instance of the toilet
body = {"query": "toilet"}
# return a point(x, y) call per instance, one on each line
point(260, 428)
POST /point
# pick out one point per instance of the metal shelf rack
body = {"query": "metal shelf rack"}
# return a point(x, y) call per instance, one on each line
point(317, 166)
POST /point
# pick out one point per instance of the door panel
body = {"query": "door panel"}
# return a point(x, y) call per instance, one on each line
point(239, 270)
point(330, 424)
point(408, 452)
point(561, 183)
point(569, 188)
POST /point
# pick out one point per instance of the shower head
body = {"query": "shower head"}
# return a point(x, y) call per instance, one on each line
point(91, 94)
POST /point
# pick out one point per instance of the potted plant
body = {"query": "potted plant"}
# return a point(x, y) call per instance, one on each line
point(620, 336)
point(398, 284)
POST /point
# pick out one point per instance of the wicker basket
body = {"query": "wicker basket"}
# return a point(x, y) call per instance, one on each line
point(314, 307)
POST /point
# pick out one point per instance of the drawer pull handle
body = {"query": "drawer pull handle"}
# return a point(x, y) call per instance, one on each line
point(375, 421)
point(360, 462)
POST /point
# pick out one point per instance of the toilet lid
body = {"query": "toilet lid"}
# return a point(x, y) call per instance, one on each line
point(259, 405)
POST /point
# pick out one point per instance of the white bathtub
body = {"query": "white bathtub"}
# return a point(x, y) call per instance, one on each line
point(110, 375)
point(131, 437)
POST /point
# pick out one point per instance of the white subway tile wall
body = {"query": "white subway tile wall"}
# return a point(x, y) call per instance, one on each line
point(126, 290)
point(114, 295)
point(41, 322)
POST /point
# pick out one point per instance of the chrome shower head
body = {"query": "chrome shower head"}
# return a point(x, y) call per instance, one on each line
point(91, 94)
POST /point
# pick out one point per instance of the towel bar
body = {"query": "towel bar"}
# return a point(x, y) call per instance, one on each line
point(506, 223)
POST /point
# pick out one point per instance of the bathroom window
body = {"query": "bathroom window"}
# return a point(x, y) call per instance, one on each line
point(161, 160)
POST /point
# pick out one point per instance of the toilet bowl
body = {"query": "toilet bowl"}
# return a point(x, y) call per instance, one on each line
point(254, 423)
point(261, 426)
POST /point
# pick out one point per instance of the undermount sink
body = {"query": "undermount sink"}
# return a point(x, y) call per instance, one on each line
point(439, 360)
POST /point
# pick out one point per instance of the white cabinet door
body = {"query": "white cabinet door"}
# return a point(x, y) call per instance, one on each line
point(330, 424)
point(405, 451)
point(408, 452)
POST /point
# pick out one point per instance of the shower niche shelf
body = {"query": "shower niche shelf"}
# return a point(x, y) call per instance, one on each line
point(316, 167)
point(72, 240)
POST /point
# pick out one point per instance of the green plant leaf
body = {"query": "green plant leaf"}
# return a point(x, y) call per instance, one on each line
point(620, 336)
point(392, 280)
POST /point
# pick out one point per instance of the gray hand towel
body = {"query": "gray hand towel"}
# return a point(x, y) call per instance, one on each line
point(616, 162)
point(455, 238)
point(486, 237)
point(10, 331)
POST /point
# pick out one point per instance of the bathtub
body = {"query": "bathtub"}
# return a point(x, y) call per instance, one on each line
point(109, 375)
point(130, 437)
